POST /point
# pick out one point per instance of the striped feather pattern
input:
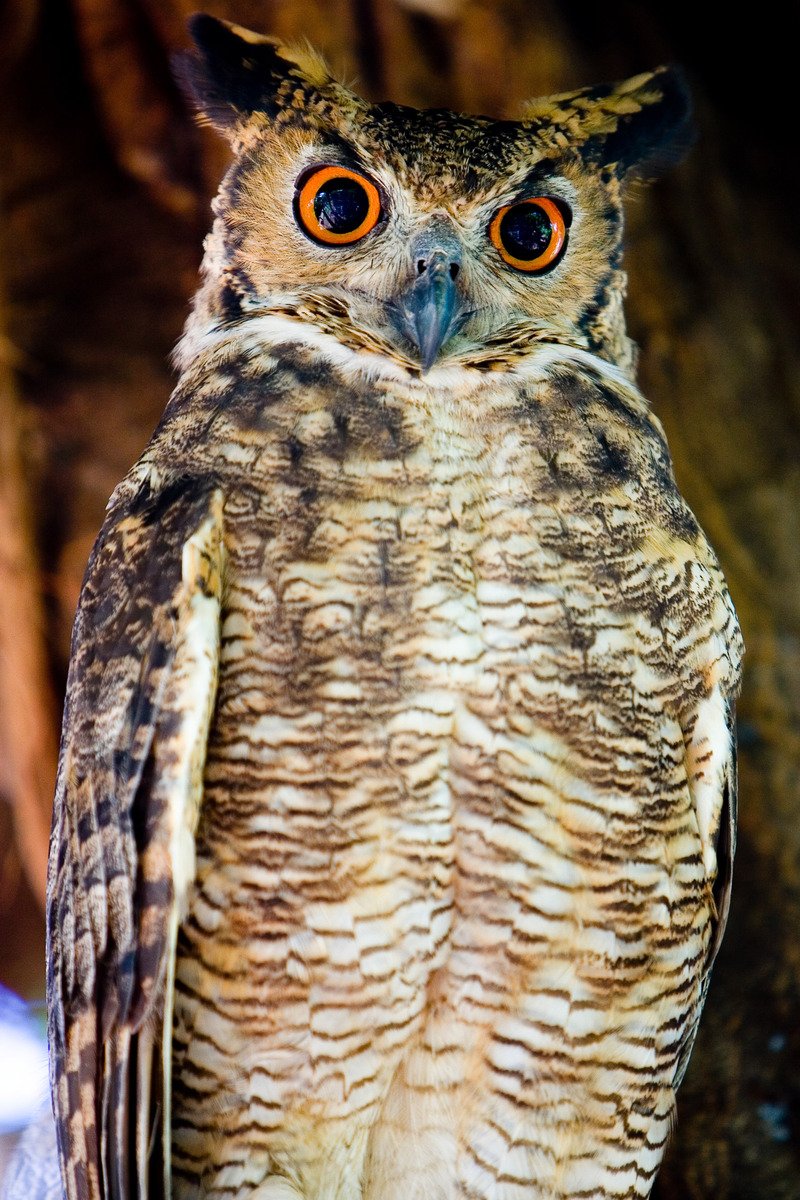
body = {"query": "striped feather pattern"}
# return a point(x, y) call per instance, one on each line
point(139, 701)
point(454, 906)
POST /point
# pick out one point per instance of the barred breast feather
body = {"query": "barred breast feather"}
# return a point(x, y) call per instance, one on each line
point(462, 854)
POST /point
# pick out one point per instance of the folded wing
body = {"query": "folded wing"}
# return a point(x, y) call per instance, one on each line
point(140, 698)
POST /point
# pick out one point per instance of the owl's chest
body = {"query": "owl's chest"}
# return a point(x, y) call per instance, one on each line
point(443, 601)
point(435, 718)
point(383, 577)
point(375, 551)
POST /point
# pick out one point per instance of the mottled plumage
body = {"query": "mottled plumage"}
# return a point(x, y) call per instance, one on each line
point(396, 804)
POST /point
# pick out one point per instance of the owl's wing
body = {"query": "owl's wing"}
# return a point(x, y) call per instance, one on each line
point(710, 734)
point(725, 848)
point(139, 702)
point(710, 738)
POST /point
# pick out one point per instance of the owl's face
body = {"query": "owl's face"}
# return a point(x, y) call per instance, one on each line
point(426, 234)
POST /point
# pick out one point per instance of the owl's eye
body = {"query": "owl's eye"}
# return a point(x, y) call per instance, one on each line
point(337, 206)
point(530, 235)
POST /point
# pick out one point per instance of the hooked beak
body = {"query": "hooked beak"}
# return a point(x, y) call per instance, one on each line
point(430, 311)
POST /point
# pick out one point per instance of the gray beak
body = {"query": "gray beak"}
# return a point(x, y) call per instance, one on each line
point(431, 310)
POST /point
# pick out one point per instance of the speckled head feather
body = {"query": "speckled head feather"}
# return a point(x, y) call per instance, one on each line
point(284, 112)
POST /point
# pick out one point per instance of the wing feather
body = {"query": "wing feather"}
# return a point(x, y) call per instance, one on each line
point(710, 733)
point(710, 738)
point(140, 698)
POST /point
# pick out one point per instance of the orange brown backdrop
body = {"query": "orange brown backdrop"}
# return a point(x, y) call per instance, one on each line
point(104, 190)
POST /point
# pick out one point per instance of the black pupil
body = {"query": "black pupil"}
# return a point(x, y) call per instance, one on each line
point(341, 205)
point(526, 231)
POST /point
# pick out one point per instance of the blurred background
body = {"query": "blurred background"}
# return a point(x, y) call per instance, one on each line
point(105, 184)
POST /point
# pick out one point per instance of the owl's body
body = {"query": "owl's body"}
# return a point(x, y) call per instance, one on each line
point(398, 753)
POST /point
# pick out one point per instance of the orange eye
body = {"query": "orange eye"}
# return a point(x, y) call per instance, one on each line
point(530, 234)
point(337, 207)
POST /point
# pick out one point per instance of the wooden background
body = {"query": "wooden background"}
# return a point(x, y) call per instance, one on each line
point(104, 190)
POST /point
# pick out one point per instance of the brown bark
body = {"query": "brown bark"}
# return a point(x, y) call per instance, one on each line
point(105, 185)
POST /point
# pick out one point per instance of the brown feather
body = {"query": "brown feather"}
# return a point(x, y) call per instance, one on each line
point(112, 895)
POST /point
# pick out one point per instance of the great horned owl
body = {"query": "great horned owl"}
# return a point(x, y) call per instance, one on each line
point(396, 802)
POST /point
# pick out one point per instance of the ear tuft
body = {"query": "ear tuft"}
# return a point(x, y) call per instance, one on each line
point(657, 132)
point(640, 126)
point(237, 72)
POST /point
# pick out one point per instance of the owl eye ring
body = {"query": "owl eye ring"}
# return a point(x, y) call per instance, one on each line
point(529, 234)
point(337, 206)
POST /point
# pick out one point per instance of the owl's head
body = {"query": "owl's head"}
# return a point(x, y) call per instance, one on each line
point(421, 236)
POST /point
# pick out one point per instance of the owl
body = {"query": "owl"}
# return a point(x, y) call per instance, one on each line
point(396, 801)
